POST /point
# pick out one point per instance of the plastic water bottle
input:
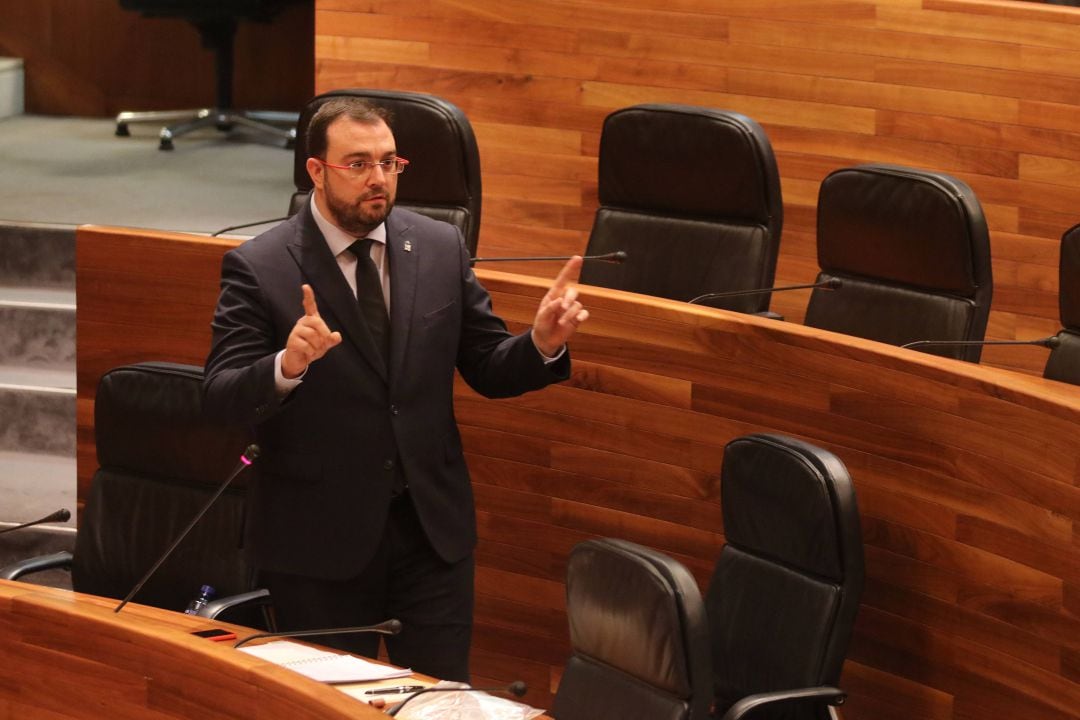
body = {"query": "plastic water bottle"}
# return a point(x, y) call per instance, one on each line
point(205, 593)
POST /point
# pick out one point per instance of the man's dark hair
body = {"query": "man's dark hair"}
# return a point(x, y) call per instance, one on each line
point(354, 108)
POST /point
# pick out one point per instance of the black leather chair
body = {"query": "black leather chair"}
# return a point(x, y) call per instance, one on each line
point(443, 177)
point(1064, 361)
point(783, 598)
point(160, 461)
point(639, 637)
point(912, 252)
point(692, 195)
point(216, 21)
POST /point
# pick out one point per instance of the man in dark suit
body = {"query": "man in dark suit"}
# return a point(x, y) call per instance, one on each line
point(362, 508)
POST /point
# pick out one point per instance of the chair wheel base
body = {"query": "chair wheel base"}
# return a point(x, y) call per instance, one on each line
point(122, 130)
point(165, 145)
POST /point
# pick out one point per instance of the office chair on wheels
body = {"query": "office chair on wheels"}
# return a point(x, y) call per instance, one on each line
point(216, 21)
point(911, 250)
point(159, 463)
point(692, 194)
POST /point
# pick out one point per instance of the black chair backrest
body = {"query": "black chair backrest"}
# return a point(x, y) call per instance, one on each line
point(692, 195)
point(442, 180)
point(639, 637)
point(1064, 361)
point(783, 598)
point(912, 250)
point(159, 462)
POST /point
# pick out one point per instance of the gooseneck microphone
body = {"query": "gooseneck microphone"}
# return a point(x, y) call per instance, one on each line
point(830, 284)
point(1049, 342)
point(386, 627)
point(246, 225)
point(612, 257)
point(61, 515)
point(516, 688)
point(249, 456)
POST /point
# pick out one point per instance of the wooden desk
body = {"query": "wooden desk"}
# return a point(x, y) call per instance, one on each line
point(967, 476)
point(68, 655)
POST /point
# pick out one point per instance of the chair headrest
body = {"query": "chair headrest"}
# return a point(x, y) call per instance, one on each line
point(148, 420)
point(723, 161)
point(777, 492)
point(1069, 279)
point(914, 227)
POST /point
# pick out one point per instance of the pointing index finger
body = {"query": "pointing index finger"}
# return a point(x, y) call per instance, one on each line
point(310, 308)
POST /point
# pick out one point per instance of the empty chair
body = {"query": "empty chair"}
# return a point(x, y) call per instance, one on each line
point(443, 177)
point(159, 463)
point(692, 195)
point(639, 638)
point(216, 21)
point(783, 597)
point(1064, 361)
point(912, 252)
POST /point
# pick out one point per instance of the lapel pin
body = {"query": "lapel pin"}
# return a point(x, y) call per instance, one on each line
point(408, 246)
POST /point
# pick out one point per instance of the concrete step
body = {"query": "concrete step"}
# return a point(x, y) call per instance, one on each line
point(37, 328)
point(37, 255)
point(33, 486)
point(12, 87)
point(36, 419)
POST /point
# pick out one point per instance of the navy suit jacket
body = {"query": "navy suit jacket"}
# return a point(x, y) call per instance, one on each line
point(321, 495)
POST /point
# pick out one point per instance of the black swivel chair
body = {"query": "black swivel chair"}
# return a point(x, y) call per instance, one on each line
point(216, 21)
point(639, 637)
point(912, 252)
point(783, 598)
point(159, 463)
point(1064, 361)
point(692, 195)
point(443, 177)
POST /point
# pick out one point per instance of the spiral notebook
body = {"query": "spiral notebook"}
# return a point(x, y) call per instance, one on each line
point(322, 665)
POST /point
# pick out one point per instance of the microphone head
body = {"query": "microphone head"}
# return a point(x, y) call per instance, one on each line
point(517, 688)
point(618, 256)
point(63, 515)
point(251, 453)
point(393, 626)
point(834, 283)
point(1053, 342)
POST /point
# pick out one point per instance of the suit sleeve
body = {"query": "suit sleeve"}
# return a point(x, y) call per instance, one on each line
point(493, 362)
point(239, 384)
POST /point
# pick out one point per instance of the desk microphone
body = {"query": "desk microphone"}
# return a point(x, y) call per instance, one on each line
point(246, 225)
point(249, 456)
point(61, 515)
point(1049, 342)
point(612, 257)
point(386, 627)
point(830, 284)
point(516, 688)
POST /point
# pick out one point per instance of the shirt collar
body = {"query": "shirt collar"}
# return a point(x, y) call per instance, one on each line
point(339, 240)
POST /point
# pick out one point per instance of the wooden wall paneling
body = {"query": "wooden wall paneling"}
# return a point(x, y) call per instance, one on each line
point(986, 90)
point(967, 476)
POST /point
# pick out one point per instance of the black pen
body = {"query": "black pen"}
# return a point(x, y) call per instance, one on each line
point(398, 690)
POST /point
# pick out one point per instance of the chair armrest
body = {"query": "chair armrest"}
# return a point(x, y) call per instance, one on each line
point(216, 607)
point(827, 695)
point(16, 570)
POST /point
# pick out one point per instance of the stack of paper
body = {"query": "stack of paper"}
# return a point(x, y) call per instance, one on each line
point(322, 665)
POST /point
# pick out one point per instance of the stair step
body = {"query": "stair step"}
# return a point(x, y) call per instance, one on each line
point(12, 87)
point(37, 255)
point(37, 419)
point(37, 333)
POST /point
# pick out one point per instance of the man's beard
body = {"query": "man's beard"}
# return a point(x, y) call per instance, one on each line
point(351, 216)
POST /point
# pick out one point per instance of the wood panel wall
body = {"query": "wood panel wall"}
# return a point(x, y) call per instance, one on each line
point(986, 90)
point(967, 477)
point(92, 58)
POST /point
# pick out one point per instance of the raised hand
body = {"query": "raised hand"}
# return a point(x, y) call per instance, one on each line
point(309, 339)
point(560, 313)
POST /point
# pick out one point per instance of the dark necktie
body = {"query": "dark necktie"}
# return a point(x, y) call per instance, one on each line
point(370, 296)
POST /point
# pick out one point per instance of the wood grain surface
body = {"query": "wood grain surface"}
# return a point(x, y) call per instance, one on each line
point(986, 90)
point(967, 476)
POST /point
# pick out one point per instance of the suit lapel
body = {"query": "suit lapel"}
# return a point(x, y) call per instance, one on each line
point(404, 256)
point(337, 304)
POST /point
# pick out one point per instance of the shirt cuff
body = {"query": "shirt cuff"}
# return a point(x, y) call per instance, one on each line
point(282, 384)
point(548, 360)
